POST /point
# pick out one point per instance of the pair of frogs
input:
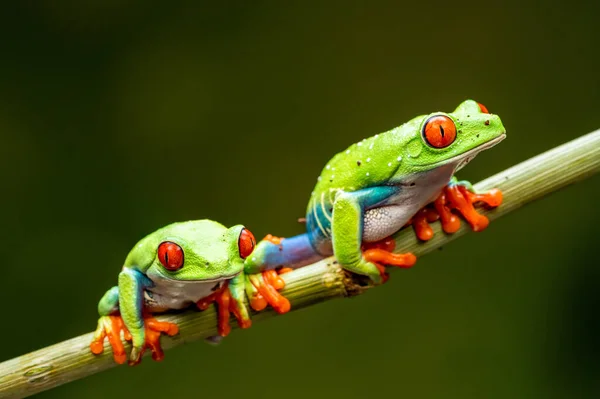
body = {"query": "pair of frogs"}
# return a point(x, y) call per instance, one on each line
point(364, 195)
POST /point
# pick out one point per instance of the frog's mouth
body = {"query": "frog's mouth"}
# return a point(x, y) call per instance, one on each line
point(463, 159)
point(194, 281)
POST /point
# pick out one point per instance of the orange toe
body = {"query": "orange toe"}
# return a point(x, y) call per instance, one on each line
point(110, 328)
point(226, 305)
point(461, 203)
point(270, 294)
point(273, 239)
point(420, 223)
point(379, 256)
point(258, 302)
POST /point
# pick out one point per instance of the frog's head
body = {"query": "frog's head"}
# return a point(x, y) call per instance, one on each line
point(452, 138)
point(200, 250)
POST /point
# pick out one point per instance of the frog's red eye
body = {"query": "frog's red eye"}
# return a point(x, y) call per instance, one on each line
point(483, 108)
point(439, 131)
point(246, 243)
point(170, 255)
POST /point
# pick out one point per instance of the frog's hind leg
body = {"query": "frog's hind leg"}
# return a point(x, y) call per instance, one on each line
point(271, 257)
point(347, 231)
point(263, 288)
point(276, 252)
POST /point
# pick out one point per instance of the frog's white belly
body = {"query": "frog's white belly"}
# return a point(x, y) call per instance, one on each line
point(176, 294)
point(386, 219)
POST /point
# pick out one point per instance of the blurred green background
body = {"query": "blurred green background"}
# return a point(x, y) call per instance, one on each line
point(118, 117)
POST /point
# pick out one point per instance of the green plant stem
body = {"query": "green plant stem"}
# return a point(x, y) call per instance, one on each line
point(530, 180)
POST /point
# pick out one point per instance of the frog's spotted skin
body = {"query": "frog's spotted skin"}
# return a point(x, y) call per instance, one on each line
point(373, 188)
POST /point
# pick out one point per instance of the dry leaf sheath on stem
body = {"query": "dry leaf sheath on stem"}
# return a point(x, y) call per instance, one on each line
point(539, 176)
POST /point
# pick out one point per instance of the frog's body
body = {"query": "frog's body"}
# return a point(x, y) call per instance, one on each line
point(194, 262)
point(373, 188)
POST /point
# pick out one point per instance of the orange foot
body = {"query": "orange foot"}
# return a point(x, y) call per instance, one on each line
point(226, 304)
point(381, 254)
point(153, 330)
point(454, 197)
point(265, 287)
point(111, 327)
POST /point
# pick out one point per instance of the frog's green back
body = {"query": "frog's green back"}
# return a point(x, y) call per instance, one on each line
point(369, 162)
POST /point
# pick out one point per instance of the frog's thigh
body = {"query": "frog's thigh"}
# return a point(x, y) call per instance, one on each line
point(346, 228)
point(384, 221)
point(347, 224)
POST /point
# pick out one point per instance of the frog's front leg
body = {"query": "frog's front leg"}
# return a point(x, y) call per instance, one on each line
point(121, 310)
point(145, 330)
point(460, 196)
point(347, 232)
point(110, 325)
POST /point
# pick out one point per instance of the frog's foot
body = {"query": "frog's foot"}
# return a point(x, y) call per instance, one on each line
point(226, 304)
point(110, 327)
point(153, 329)
point(262, 290)
point(381, 254)
point(457, 196)
point(462, 198)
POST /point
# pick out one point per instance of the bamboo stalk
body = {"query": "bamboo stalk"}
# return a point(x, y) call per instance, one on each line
point(526, 182)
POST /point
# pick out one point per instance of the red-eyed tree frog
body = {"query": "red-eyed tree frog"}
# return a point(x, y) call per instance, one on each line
point(195, 262)
point(377, 186)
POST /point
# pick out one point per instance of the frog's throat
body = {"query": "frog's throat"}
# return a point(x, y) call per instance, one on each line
point(463, 159)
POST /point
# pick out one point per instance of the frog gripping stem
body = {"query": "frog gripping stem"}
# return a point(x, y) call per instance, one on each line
point(226, 304)
point(111, 327)
point(154, 328)
point(265, 287)
point(381, 254)
point(461, 199)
